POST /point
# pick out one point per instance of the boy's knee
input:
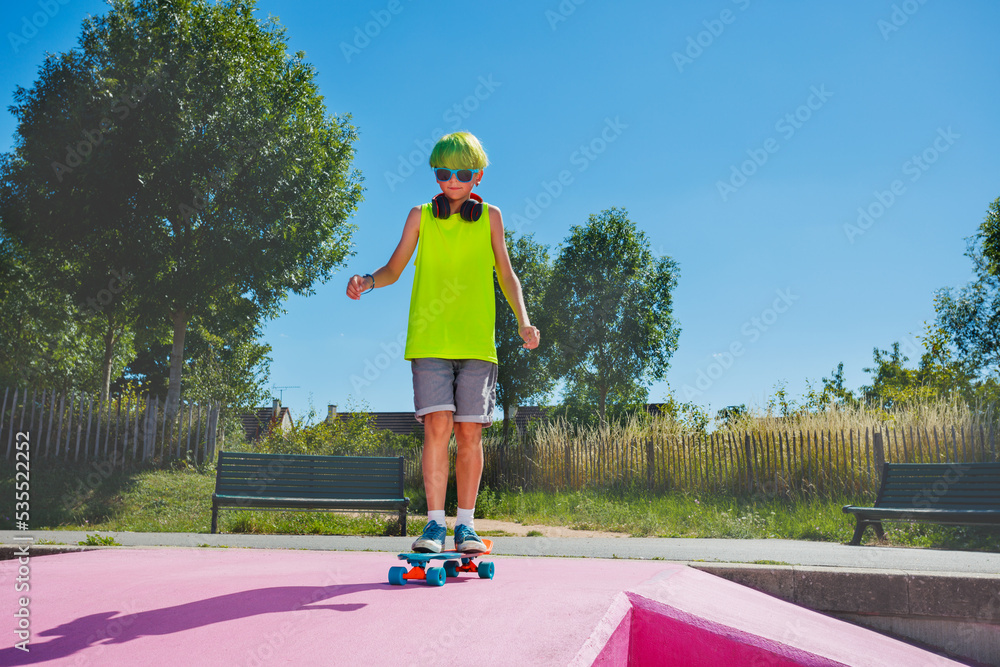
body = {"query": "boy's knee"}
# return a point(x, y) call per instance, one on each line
point(434, 421)
point(468, 432)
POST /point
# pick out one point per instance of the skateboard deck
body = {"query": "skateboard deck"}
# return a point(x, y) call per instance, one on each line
point(454, 562)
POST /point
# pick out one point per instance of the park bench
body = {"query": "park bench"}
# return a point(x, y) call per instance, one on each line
point(309, 482)
point(947, 493)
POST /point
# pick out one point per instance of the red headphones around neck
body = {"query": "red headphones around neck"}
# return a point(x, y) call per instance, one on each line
point(472, 208)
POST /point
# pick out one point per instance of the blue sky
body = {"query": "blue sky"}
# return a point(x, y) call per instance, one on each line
point(743, 137)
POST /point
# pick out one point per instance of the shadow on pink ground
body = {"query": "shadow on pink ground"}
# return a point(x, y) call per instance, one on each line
point(262, 607)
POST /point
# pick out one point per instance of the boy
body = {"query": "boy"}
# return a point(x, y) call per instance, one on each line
point(450, 337)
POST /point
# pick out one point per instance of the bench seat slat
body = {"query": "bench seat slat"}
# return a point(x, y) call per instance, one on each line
point(344, 503)
point(933, 515)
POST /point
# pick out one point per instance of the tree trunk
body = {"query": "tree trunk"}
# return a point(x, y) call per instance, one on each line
point(109, 349)
point(176, 363)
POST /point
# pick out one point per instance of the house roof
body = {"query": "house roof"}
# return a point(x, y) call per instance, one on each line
point(400, 423)
point(256, 424)
point(527, 414)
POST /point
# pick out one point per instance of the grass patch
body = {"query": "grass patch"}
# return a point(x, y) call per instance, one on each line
point(769, 562)
point(707, 516)
point(87, 497)
point(99, 541)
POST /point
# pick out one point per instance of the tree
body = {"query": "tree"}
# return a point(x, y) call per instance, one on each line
point(610, 304)
point(581, 399)
point(225, 362)
point(938, 375)
point(221, 177)
point(523, 375)
point(970, 316)
point(44, 341)
point(230, 368)
point(989, 237)
point(834, 392)
point(731, 414)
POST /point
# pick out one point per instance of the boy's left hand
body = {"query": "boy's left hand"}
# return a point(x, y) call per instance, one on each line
point(531, 336)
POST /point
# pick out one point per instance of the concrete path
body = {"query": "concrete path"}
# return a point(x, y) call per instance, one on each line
point(789, 552)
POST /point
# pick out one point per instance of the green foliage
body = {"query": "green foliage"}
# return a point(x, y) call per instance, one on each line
point(99, 541)
point(610, 307)
point(523, 375)
point(44, 340)
point(215, 179)
point(729, 414)
point(938, 375)
point(989, 237)
point(581, 401)
point(225, 363)
point(834, 392)
point(354, 435)
point(969, 317)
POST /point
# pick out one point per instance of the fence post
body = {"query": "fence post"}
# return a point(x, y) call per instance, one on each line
point(748, 452)
point(197, 439)
point(90, 419)
point(3, 413)
point(164, 445)
point(569, 476)
point(879, 454)
point(650, 463)
point(213, 425)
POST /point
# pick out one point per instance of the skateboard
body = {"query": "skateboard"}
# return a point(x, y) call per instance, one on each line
point(454, 562)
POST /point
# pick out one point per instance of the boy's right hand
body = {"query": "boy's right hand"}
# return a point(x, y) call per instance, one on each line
point(356, 285)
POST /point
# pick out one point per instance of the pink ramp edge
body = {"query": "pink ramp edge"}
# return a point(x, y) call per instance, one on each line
point(258, 608)
point(691, 618)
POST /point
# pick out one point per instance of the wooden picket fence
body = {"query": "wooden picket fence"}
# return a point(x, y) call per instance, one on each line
point(79, 427)
point(768, 464)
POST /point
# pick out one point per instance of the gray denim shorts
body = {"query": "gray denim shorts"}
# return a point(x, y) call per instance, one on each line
point(466, 387)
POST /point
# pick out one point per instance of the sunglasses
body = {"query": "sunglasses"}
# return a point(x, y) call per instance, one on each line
point(464, 175)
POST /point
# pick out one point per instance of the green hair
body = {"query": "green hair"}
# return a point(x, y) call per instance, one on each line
point(459, 150)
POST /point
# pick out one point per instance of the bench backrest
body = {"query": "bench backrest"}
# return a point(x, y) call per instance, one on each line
point(309, 476)
point(952, 486)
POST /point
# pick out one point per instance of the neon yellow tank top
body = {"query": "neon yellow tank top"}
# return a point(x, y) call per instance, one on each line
point(452, 306)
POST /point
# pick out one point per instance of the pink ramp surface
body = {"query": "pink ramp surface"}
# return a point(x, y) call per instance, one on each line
point(688, 618)
point(263, 607)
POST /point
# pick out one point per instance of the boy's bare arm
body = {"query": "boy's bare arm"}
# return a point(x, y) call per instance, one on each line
point(390, 273)
point(509, 283)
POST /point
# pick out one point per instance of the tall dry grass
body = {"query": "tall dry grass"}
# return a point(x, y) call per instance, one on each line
point(827, 453)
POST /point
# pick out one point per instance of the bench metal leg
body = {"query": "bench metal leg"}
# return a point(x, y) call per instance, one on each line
point(859, 531)
point(215, 519)
point(879, 533)
point(402, 522)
